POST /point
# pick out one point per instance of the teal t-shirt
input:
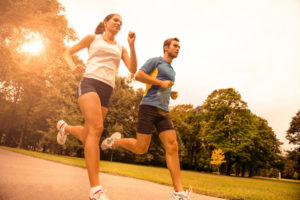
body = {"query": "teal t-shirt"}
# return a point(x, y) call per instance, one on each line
point(155, 95)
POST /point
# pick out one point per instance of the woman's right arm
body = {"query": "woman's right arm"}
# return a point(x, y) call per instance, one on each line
point(84, 43)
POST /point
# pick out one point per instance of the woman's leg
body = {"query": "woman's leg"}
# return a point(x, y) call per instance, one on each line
point(94, 114)
point(76, 131)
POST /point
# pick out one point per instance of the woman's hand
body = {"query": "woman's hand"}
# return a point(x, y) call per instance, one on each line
point(79, 69)
point(131, 38)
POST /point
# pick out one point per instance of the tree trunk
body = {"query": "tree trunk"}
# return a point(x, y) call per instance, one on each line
point(250, 171)
point(24, 127)
point(243, 169)
point(13, 112)
point(192, 159)
point(228, 171)
point(111, 155)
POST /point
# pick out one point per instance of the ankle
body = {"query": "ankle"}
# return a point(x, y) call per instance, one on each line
point(114, 144)
point(67, 128)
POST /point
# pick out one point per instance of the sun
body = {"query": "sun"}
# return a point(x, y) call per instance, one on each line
point(34, 44)
point(33, 47)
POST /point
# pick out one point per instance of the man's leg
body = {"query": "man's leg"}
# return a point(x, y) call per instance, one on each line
point(169, 141)
point(139, 145)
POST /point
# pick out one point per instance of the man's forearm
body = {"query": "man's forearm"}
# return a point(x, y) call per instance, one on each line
point(141, 76)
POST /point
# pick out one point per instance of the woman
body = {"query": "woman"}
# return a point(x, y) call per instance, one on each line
point(95, 90)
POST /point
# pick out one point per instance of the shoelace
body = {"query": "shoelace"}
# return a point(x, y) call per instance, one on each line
point(110, 140)
point(189, 192)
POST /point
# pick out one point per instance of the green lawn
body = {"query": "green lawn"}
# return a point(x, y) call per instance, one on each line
point(203, 183)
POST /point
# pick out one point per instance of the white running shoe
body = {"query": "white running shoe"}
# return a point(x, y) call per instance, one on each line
point(108, 142)
point(61, 135)
point(99, 195)
point(184, 196)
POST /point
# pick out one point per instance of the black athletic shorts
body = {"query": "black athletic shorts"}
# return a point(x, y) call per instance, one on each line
point(103, 90)
point(150, 116)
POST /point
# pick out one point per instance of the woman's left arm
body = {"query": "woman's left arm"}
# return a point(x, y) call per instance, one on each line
point(130, 61)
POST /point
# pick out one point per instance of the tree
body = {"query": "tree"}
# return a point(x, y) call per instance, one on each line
point(289, 169)
point(293, 133)
point(227, 123)
point(24, 77)
point(217, 158)
point(263, 150)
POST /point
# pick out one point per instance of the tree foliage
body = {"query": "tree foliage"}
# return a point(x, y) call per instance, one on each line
point(27, 81)
point(293, 158)
point(227, 123)
point(217, 158)
point(293, 133)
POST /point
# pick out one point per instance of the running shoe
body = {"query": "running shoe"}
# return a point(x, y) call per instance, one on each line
point(184, 196)
point(99, 195)
point(61, 135)
point(108, 142)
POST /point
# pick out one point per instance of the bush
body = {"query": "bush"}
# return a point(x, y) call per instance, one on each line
point(296, 175)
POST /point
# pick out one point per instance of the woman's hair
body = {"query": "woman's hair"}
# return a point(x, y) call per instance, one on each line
point(167, 42)
point(100, 29)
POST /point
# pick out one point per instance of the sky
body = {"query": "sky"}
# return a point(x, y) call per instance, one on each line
point(252, 46)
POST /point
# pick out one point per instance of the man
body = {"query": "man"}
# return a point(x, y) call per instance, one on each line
point(159, 76)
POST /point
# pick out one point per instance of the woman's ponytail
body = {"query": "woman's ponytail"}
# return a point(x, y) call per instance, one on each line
point(100, 28)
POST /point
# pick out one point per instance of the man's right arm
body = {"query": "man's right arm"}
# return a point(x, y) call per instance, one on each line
point(145, 78)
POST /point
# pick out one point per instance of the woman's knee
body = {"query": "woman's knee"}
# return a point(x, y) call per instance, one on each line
point(95, 129)
point(172, 146)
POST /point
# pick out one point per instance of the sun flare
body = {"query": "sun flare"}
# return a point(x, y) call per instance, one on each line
point(34, 44)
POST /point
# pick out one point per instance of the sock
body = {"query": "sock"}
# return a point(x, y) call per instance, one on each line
point(95, 189)
point(180, 193)
point(63, 128)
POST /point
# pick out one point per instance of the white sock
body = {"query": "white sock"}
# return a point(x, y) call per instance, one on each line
point(95, 189)
point(181, 192)
point(63, 129)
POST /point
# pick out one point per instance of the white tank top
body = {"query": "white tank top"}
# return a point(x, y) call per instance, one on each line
point(104, 60)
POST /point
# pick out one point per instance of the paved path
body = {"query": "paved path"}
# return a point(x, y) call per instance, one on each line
point(27, 178)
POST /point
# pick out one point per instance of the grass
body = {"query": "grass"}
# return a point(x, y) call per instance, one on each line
point(236, 188)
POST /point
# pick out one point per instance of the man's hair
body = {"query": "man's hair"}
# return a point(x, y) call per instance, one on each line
point(167, 42)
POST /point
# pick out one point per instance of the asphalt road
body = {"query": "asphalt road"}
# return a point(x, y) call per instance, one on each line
point(27, 178)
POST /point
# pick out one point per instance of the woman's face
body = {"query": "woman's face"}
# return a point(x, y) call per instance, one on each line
point(114, 24)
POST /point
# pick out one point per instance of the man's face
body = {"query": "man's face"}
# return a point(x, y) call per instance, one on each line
point(173, 49)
